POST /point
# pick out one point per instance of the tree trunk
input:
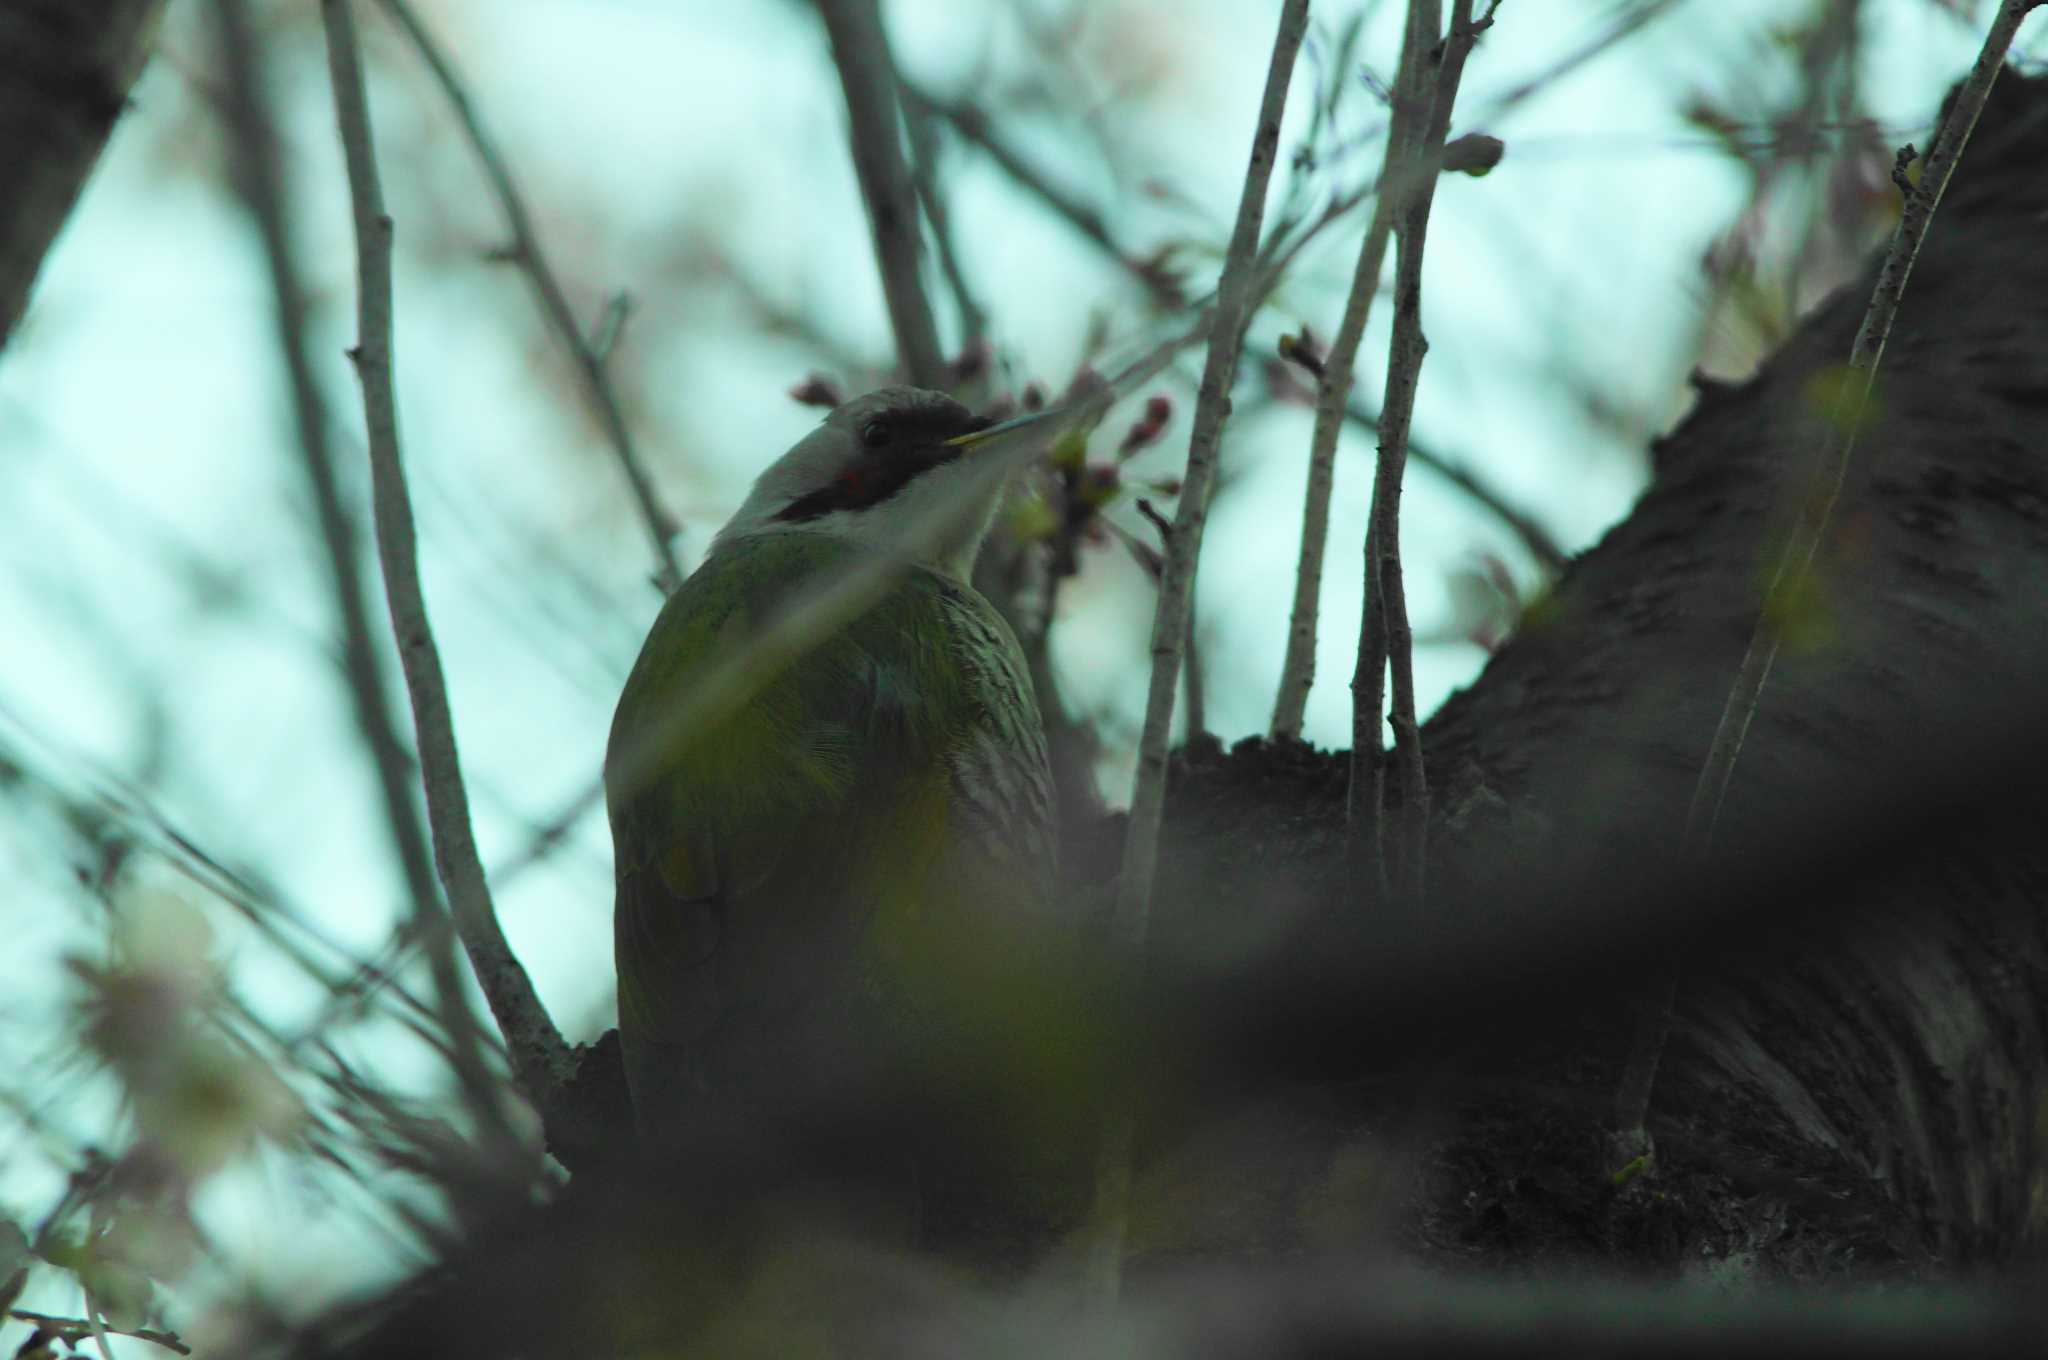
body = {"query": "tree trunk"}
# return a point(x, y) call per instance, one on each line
point(65, 70)
point(1885, 1083)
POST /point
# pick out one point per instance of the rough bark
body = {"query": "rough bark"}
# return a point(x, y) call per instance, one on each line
point(1906, 1053)
point(65, 70)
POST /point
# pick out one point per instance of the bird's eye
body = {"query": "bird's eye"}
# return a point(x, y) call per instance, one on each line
point(875, 433)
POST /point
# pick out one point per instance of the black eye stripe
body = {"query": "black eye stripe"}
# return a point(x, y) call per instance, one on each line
point(909, 440)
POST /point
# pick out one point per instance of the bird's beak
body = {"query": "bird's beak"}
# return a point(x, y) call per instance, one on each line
point(1027, 432)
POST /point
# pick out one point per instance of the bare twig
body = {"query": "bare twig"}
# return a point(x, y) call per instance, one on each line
point(73, 1330)
point(539, 1056)
point(1540, 543)
point(973, 124)
point(867, 73)
point(924, 150)
point(1333, 392)
point(259, 180)
point(1815, 512)
point(527, 254)
point(1385, 636)
point(1236, 293)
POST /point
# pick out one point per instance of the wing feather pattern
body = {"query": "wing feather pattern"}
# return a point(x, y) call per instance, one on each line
point(763, 867)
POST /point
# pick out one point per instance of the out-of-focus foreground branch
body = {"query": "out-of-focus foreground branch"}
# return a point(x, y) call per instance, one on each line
point(65, 70)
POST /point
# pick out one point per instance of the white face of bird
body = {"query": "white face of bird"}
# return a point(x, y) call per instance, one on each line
point(899, 470)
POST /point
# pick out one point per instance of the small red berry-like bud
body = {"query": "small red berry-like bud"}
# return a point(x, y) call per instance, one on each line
point(1147, 428)
point(817, 390)
point(971, 362)
point(1087, 382)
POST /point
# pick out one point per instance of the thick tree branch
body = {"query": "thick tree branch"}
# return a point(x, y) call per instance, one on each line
point(860, 49)
point(1236, 294)
point(1791, 576)
point(526, 252)
point(65, 70)
point(539, 1056)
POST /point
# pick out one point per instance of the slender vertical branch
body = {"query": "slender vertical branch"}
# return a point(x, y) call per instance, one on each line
point(924, 150)
point(539, 1055)
point(259, 180)
point(867, 73)
point(1333, 392)
point(1193, 677)
point(1389, 646)
point(1235, 295)
point(1535, 539)
point(1809, 529)
point(526, 252)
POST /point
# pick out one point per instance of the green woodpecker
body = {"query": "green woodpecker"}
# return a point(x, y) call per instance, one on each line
point(775, 867)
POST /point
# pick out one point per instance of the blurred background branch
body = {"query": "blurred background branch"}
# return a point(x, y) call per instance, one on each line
point(525, 251)
point(867, 73)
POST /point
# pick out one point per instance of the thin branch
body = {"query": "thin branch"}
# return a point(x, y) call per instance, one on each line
point(539, 1056)
point(532, 261)
point(860, 49)
point(73, 1330)
point(1537, 540)
point(259, 181)
point(924, 150)
point(1815, 512)
point(1236, 294)
point(972, 124)
point(1386, 605)
point(1333, 393)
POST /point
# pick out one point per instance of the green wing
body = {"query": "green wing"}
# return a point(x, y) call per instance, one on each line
point(766, 866)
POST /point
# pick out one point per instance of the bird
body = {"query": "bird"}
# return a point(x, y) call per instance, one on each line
point(777, 864)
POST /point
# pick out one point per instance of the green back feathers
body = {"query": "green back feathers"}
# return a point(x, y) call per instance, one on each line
point(895, 763)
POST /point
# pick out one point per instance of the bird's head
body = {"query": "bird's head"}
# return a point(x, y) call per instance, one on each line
point(896, 470)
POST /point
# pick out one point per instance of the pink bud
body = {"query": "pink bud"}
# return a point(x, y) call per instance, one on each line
point(817, 390)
